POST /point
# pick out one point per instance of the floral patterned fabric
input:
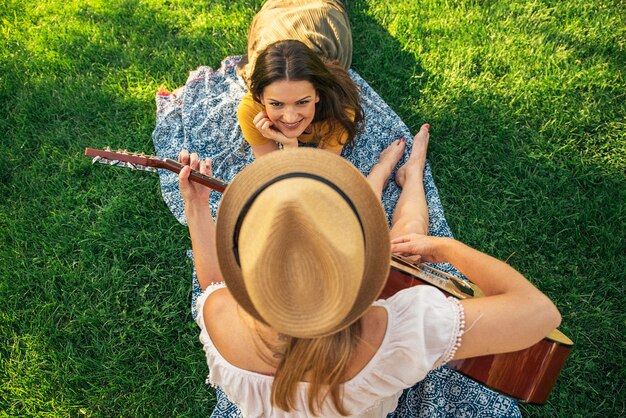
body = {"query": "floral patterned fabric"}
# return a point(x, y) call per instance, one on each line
point(202, 117)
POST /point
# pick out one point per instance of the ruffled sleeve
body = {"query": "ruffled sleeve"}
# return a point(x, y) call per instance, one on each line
point(427, 323)
point(427, 328)
point(424, 328)
point(248, 390)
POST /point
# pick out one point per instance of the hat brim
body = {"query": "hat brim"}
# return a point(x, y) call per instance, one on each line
point(333, 170)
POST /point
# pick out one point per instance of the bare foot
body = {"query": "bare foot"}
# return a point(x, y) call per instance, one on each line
point(391, 155)
point(417, 159)
point(387, 161)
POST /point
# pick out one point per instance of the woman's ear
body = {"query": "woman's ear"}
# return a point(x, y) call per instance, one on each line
point(317, 96)
point(261, 99)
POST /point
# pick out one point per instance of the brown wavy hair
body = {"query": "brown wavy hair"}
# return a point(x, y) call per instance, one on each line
point(322, 362)
point(339, 96)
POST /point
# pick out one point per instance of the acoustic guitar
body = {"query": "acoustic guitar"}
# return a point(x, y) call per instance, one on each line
point(527, 375)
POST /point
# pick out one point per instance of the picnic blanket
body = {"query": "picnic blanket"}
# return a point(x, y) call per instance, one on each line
point(202, 117)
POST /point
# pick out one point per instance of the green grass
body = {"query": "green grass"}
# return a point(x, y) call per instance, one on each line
point(528, 112)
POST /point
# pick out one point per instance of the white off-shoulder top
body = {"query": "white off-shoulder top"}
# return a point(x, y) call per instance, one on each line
point(424, 329)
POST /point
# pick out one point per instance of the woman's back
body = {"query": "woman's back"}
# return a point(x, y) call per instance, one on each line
point(399, 344)
point(234, 333)
point(323, 25)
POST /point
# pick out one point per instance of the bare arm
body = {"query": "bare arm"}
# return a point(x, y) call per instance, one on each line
point(512, 316)
point(200, 220)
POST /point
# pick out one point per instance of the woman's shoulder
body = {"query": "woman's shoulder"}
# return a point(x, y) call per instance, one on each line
point(214, 303)
point(409, 344)
point(334, 132)
point(217, 302)
point(217, 305)
point(230, 333)
point(246, 112)
point(248, 106)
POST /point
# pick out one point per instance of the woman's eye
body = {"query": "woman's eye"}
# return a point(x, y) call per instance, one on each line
point(275, 104)
point(303, 102)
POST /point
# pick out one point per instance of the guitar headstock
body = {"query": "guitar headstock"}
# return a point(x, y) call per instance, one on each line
point(123, 158)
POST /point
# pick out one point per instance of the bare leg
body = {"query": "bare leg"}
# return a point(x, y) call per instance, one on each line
point(411, 214)
point(380, 173)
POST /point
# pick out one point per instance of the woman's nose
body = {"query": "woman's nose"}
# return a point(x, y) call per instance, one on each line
point(290, 115)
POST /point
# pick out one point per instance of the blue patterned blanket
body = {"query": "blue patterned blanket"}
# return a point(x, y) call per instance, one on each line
point(202, 117)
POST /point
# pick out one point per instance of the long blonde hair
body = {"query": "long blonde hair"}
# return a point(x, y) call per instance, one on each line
point(322, 362)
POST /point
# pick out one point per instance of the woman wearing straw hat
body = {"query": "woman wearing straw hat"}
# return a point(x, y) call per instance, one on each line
point(291, 271)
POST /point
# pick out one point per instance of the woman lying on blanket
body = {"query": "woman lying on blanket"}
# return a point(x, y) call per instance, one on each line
point(291, 272)
point(298, 86)
point(295, 97)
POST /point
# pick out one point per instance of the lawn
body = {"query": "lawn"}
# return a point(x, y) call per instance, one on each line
point(527, 107)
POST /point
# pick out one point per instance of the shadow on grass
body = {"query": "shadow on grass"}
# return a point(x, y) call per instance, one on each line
point(395, 74)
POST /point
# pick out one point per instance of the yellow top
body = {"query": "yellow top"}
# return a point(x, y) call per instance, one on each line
point(249, 108)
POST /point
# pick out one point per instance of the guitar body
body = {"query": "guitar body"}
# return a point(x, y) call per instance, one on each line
point(527, 375)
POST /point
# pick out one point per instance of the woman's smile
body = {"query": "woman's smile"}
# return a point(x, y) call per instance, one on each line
point(293, 125)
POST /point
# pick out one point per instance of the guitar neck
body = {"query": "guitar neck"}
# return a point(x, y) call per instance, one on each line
point(144, 162)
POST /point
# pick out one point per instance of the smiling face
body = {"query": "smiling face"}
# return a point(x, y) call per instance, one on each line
point(290, 105)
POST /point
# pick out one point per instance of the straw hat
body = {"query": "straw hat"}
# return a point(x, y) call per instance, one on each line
point(303, 242)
